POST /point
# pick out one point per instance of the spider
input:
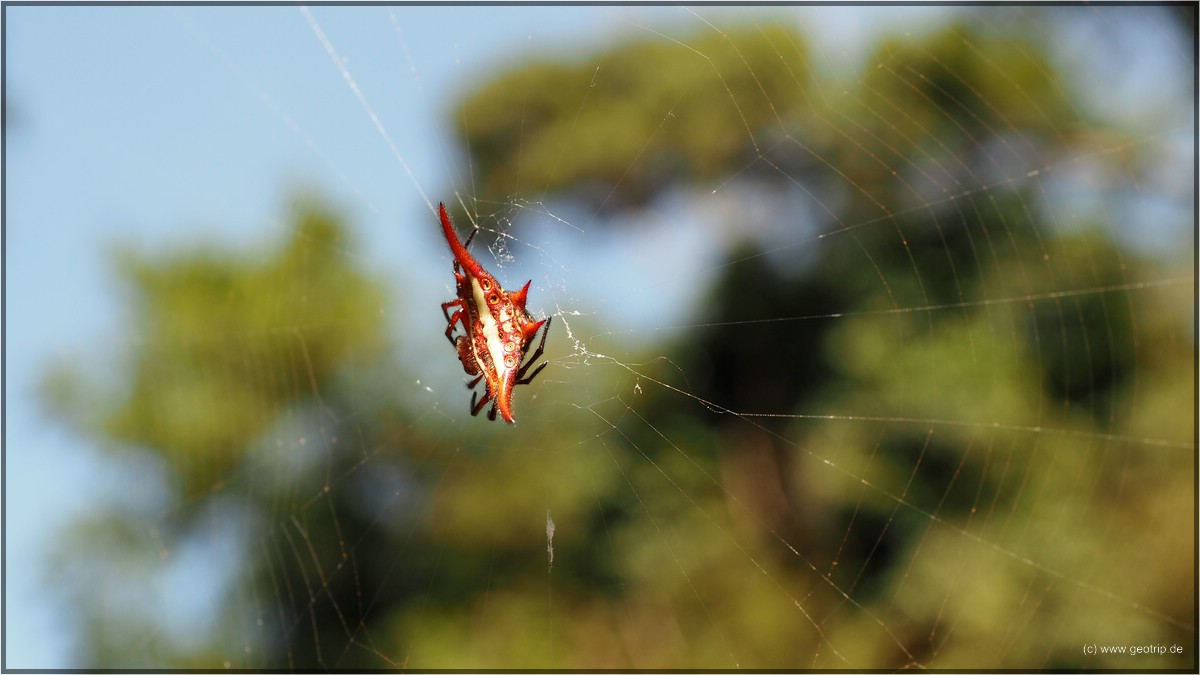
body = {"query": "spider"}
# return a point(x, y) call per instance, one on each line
point(498, 330)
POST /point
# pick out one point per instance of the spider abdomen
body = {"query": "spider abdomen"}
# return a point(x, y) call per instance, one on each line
point(498, 329)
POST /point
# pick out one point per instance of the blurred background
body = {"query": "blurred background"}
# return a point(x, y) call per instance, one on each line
point(873, 340)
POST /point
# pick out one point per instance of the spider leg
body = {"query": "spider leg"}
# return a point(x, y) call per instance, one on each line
point(537, 354)
point(527, 380)
point(457, 302)
point(470, 237)
point(472, 383)
point(476, 407)
point(458, 317)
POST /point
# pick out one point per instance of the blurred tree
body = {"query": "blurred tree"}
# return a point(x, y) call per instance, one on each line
point(919, 154)
point(206, 317)
point(263, 388)
point(621, 128)
point(243, 368)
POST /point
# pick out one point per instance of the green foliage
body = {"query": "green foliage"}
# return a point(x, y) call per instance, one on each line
point(235, 379)
point(958, 87)
point(207, 321)
point(927, 141)
point(637, 119)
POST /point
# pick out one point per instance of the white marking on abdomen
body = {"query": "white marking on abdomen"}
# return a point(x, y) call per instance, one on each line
point(491, 330)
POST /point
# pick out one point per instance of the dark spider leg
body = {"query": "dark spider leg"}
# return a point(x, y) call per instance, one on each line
point(527, 380)
point(472, 383)
point(476, 407)
point(537, 354)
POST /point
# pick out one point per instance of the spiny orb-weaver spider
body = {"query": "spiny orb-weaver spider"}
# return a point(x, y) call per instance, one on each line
point(497, 329)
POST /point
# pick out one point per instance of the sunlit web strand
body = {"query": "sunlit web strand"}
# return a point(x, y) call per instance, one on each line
point(264, 98)
point(746, 417)
point(1032, 297)
point(337, 61)
point(716, 70)
point(967, 424)
point(962, 194)
point(799, 605)
point(412, 66)
point(1075, 433)
point(662, 535)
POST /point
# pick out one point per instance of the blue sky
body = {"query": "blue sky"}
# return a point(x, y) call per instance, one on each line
point(167, 126)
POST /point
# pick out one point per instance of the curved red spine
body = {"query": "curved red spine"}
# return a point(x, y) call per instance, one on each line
point(464, 257)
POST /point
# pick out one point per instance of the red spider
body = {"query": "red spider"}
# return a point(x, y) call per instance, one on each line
point(498, 330)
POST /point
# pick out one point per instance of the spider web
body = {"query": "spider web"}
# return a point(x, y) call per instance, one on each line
point(852, 394)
